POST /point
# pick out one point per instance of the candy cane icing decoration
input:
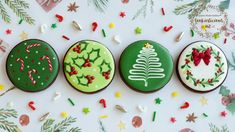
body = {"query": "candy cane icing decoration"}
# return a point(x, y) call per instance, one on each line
point(31, 46)
point(21, 62)
point(49, 62)
point(30, 75)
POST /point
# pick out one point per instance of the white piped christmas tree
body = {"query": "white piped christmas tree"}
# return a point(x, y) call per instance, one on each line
point(148, 66)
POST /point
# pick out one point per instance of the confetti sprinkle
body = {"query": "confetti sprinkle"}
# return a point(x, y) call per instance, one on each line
point(64, 114)
point(103, 102)
point(2, 87)
point(24, 120)
point(117, 39)
point(121, 108)
point(77, 26)
point(173, 119)
point(223, 114)
point(86, 110)
point(216, 35)
point(112, 25)
point(138, 30)
point(192, 33)
point(104, 116)
point(104, 33)
point(185, 105)
point(204, 114)
point(121, 126)
point(204, 27)
point(57, 96)
point(158, 101)
point(71, 102)
point(122, 14)
point(225, 41)
point(167, 29)
point(59, 17)
point(65, 37)
point(45, 116)
point(175, 94)
point(43, 28)
point(203, 101)
point(94, 26)
point(31, 105)
point(191, 118)
point(20, 22)
point(137, 121)
point(54, 25)
point(118, 94)
point(163, 11)
point(8, 31)
point(23, 36)
point(154, 116)
point(179, 37)
point(142, 108)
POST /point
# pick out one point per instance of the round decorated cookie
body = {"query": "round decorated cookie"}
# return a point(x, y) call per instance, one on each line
point(89, 66)
point(202, 66)
point(146, 66)
point(32, 65)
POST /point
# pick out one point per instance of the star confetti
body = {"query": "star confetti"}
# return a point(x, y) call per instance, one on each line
point(204, 27)
point(191, 118)
point(158, 101)
point(122, 14)
point(203, 101)
point(138, 30)
point(86, 110)
point(72, 7)
point(216, 35)
point(223, 114)
point(23, 36)
point(121, 126)
point(54, 25)
point(173, 120)
point(8, 31)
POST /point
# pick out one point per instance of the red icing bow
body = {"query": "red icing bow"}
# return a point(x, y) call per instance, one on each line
point(206, 56)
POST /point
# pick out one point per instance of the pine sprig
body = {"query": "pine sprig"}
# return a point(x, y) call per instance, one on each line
point(4, 14)
point(4, 123)
point(143, 10)
point(214, 128)
point(61, 126)
point(5, 113)
point(75, 129)
point(22, 4)
point(99, 4)
point(102, 128)
point(16, 8)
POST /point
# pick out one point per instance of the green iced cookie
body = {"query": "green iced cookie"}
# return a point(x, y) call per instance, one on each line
point(146, 66)
point(32, 65)
point(89, 66)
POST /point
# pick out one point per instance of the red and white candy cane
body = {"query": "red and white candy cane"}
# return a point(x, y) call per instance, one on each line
point(30, 75)
point(21, 62)
point(49, 62)
point(31, 46)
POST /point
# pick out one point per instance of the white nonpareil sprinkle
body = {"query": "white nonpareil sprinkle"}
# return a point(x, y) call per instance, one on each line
point(57, 96)
point(117, 39)
point(43, 28)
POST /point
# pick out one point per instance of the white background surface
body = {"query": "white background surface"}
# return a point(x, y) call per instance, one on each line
point(152, 27)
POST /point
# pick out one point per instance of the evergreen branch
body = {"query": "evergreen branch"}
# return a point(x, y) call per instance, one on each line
point(5, 113)
point(224, 5)
point(101, 126)
point(46, 127)
point(100, 4)
point(214, 128)
point(8, 126)
point(64, 124)
point(144, 8)
point(4, 14)
point(75, 129)
point(22, 4)
point(19, 11)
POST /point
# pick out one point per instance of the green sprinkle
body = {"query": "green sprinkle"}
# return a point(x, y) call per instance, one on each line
point(154, 115)
point(21, 20)
point(192, 33)
point(53, 25)
point(104, 33)
point(71, 101)
point(205, 115)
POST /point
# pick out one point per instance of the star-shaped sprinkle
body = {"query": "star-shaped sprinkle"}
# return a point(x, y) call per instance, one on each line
point(8, 31)
point(23, 36)
point(216, 35)
point(223, 113)
point(147, 45)
point(204, 27)
point(138, 30)
point(203, 101)
point(173, 120)
point(85, 110)
point(191, 118)
point(54, 25)
point(72, 7)
point(64, 114)
point(122, 14)
point(158, 101)
point(1, 87)
point(121, 126)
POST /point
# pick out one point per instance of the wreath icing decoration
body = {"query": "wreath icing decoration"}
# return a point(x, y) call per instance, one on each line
point(198, 54)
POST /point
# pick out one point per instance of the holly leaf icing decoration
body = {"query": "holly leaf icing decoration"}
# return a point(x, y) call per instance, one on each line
point(224, 5)
point(104, 67)
point(147, 66)
point(231, 106)
point(93, 55)
point(224, 91)
point(82, 80)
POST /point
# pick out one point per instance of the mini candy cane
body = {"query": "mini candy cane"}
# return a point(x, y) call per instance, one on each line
point(30, 75)
point(31, 46)
point(49, 62)
point(22, 63)
point(2, 48)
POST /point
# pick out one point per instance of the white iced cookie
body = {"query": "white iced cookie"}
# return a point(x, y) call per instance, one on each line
point(202, 66)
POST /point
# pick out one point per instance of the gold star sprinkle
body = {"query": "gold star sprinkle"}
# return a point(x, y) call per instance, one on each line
point(72, 7)
point(147, 45)
point(1, 87)
point(204, 27)
point(203, 101)
point(121, 126)
point(23, 36)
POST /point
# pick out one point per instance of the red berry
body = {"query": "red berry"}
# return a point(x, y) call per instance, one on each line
point(106, 77)
point(75, 72)
point(89, 64)
point(92, 77)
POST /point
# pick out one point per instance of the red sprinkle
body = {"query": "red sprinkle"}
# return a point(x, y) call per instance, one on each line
point(173, 120)
point(31, 105)
point(94, 26)
point(225, 41)
point(223, 114)
point(167, 29)
point(103, 102)
point(59, 17)
point(185, 105)
point(163, 11)
point(65, 37)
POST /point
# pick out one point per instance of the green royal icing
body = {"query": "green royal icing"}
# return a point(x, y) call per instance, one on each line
point(32, 65)
point(89, 66)
point(146, 66)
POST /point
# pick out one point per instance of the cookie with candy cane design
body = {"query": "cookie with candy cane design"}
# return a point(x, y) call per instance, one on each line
point(32, 65)
point(89, 66)
point(202, 66)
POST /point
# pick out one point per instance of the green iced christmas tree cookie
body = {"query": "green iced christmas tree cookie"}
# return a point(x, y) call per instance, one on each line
point(32, 65)
point(146, 66)
point(89, 66)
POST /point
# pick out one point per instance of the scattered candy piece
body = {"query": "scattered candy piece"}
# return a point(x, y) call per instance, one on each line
point(192, 33)
point(122, 14)
point(185, 105)
point(112, 25)
point(117, 39)
point(20, 22)
point(10, 104)
point(125, 1)
point(86, 110)
point(76, 25)
point(103, 102)
point(72, 7)
point(205, 115)
point(104, 117)
point(204, 27)
point(121, 108)
point(54, 25)
point(223, 114)
point(103, 32)
point(23, 36)
point(154, 116)
point(137, 121)
point(1, 87)
point(174, 94)
point(8, 31)
point(216, 35)
point(186, 130)
point(121, 125)
point(142, 108)
point(64, 114)
point(138, 30)
point(71, 102)
point(24, 120)
point(173, 120)
point(43, 28)
point(65, 37)
point(203, 101)
point(59, 17)
point(94, 26)
point(179, 37)
point(118, 94)
point(31, 105)
point(167, 29)
point(163, 11)
point(191, 118)
point(45, 116)
point(158, 101)
point(57, 96)
point(225, 40)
